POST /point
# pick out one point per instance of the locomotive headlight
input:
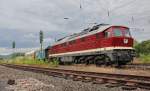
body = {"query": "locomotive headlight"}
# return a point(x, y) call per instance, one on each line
point(125, 41)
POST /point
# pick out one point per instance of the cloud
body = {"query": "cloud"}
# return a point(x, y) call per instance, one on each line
point(30, 36)
point(21, 20)
point(48, 41)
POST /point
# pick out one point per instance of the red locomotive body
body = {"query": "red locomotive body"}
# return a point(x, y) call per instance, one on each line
point(102, 44)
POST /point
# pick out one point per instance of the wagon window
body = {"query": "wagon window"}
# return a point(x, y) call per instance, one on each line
point(65, 44)
point(97, 36)
point(74, 41)
point(83, 39)
point(70, 42)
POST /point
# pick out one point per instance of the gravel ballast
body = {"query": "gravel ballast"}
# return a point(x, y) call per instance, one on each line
point(30, 81)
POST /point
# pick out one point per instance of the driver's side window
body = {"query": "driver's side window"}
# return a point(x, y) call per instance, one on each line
point(107, 34)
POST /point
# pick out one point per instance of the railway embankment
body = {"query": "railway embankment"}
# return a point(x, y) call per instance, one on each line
point(30, 81)
point(112, 82)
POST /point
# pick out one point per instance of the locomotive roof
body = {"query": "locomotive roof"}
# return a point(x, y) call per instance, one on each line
point(85, 32)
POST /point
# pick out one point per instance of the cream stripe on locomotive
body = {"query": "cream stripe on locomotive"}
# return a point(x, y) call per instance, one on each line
point(87, 51)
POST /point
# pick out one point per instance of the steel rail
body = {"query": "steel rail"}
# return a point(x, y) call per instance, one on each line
point(123, 79)
point(137, 66)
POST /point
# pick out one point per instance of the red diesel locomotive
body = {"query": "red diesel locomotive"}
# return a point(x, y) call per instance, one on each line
point(101, 44)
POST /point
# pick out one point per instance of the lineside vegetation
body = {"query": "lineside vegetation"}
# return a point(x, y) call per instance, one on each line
point(143, 51)
point(30, 61)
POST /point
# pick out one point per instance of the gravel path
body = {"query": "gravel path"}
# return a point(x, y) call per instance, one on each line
point(29, 81)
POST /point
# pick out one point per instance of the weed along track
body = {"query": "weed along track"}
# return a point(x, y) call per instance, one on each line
point(125, 81)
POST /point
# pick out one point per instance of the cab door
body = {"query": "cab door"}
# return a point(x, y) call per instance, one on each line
point(107, 38)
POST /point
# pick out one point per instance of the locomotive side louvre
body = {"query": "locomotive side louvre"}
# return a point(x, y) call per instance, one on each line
point(107, 44)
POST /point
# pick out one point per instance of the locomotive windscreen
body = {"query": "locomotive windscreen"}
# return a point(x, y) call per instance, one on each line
point(120, 31)
point(127, 33)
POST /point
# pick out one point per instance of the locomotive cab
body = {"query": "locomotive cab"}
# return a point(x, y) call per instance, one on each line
point(118, 37)
point(117, 31)
point(119, 40)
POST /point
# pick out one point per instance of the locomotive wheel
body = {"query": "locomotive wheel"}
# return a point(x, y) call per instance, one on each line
point(81, 60)
point(98, 60)
point(107, 61)
point(117, 64)
point(76, 61)
point(88, 60)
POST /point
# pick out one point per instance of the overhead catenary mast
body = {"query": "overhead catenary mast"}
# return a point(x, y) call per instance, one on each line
point(80, 5)
point(81, 13)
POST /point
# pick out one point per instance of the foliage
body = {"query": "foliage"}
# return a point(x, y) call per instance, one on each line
point(54, 63)
point(31, 61)
point(24, 60)
point(143, 50)
point(143, 47)
point(145, 58)
point(15, 55)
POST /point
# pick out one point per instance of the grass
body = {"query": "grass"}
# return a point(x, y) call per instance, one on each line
point(30, 61)
point(145, 58)
point(54, 63)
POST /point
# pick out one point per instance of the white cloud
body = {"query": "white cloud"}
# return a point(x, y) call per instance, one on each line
point(25, 18)
point(30, 36)
point(49, 40)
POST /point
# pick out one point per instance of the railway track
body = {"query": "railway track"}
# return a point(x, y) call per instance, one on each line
point(137, 66)
point(128, 82)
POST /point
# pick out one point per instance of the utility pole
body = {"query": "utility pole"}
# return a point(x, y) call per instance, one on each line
point(41, 39)
point(41, 42)
point(13, 45)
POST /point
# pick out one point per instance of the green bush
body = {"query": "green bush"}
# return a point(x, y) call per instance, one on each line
point(143, 47)
point(145, 58)
point(31, 61)
point(25, 60)
point(143, 51)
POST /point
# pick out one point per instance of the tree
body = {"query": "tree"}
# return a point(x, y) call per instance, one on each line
point(143, 47)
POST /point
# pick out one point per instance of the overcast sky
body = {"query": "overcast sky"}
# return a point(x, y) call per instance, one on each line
point(21, 20)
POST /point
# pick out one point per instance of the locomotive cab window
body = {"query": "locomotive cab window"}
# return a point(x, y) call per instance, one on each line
point(117, 32)
point(107, 34)
point(127, 33)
